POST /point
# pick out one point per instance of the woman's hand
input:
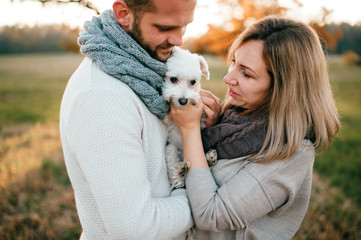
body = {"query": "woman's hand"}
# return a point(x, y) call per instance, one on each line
point(212, 107)
point(187, 118)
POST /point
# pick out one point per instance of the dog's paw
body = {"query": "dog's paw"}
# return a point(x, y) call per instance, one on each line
point(211, 157)
point(183, 169)
point(177, 174)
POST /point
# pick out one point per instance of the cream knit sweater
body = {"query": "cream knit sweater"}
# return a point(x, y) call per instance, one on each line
point(114, 153)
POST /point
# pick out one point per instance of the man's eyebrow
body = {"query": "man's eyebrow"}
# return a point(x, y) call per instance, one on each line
point(166, 26)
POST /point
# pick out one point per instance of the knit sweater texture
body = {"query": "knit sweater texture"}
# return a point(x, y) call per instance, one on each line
point(241, 199)
point(114, 153)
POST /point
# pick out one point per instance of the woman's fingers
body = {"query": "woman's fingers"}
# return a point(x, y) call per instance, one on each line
point(212, 107)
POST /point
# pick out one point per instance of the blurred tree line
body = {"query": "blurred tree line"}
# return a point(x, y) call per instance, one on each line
point(337, 38)
point(351, 39)
point(44, 38)
point(60, 38)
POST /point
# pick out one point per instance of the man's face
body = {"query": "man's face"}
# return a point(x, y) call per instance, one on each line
point(158, 31)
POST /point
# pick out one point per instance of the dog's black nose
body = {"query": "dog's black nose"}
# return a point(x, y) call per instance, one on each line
point(182, 101)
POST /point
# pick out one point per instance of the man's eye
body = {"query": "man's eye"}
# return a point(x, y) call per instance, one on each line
point(163, 29)
point(174, 79)
point(192, 82)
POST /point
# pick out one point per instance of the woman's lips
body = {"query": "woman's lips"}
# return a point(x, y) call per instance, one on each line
point(233, 94)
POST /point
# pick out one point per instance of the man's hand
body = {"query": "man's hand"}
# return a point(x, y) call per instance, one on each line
point(212, 107)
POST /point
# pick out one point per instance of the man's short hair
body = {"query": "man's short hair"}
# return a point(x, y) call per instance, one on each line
point(138, 7)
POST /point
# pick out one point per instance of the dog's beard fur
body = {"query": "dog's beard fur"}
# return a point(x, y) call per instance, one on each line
point(181, 93)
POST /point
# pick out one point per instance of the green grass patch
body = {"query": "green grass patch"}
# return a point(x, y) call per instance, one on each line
point(218, 69)
point(342, 161)
point(330, 214)
point(52, 171)
point(32, 86)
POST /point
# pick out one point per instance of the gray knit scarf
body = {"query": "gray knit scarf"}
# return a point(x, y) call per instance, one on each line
point(234, 135)
point(117, 54)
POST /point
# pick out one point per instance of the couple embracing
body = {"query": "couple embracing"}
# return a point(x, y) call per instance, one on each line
point(278, 111)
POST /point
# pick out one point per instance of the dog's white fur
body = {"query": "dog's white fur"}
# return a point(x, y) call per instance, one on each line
point(181, 87)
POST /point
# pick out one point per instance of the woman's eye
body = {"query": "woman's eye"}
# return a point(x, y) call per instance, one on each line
point(245, 74)
point(174, 79)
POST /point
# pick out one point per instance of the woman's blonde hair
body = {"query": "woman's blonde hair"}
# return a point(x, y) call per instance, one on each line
point(300, 99)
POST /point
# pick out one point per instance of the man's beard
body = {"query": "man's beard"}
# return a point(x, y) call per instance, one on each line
point(137, 35)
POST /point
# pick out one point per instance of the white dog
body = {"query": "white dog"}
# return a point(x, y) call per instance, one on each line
point(181, 87)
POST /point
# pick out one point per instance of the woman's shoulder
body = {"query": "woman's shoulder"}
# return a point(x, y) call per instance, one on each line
point(306, 151)
point(226, 168)
point(299, 163)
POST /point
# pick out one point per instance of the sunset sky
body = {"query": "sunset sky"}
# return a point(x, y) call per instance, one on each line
point(32, 12)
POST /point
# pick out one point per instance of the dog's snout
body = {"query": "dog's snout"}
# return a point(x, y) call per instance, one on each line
point(183, 101)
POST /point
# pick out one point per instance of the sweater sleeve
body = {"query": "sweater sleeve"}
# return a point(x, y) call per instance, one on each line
point(106, 136)
point(253, 192)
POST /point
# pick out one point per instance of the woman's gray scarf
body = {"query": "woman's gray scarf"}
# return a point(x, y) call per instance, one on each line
point(234, 135)
point(117, 54)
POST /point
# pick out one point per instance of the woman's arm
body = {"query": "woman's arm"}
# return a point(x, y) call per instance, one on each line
point(251, 193)
point(188, 121)
point(189, 124)
point(255, 191)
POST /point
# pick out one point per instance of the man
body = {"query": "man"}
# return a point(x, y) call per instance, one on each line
point(110, 123)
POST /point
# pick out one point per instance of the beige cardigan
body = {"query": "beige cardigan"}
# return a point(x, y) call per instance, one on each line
point(239, 199)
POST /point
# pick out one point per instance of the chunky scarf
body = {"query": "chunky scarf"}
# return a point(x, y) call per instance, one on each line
point(117, 54)
point(234, 135)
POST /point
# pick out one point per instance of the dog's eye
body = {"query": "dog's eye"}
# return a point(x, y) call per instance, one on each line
point(192, 82)
point(174, 79)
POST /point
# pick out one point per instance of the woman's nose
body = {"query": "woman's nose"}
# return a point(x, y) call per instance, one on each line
point(229, 79)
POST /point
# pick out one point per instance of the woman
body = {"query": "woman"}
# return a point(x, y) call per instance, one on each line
point(279, 109)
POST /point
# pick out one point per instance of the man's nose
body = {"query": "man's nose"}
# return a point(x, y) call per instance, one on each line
point(176, 38)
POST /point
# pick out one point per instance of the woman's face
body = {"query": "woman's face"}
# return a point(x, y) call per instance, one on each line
point(247, 79)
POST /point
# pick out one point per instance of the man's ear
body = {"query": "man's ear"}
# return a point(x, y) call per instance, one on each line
point(122, 14)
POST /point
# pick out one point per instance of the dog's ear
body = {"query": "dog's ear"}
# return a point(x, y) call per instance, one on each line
point(204, 67)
